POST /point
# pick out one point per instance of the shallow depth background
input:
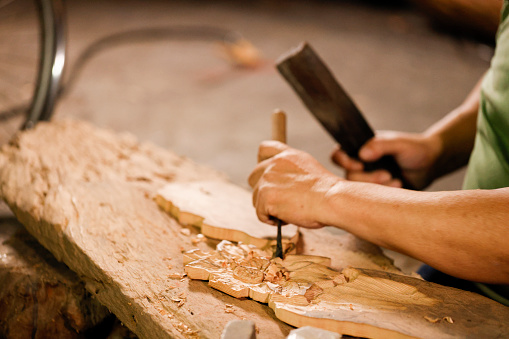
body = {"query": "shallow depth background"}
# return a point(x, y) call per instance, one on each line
point(184, 96)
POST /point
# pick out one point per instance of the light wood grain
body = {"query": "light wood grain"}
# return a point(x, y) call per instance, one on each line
point(278, 120)
point(357, 302)
point(87, 195)
point(222, 211)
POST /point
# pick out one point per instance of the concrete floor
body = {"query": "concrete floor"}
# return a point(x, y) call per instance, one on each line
point(183, 96)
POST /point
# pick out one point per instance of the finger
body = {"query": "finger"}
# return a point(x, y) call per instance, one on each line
point(342, 159)
point(255, 196)
point(261, 211)
point(379, 146)
point(257, 173)
point(376, 177)
point(270, 148)
point(395, 183)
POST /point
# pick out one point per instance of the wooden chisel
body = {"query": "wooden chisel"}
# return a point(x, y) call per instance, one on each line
point(331, 105)
point(279, 134)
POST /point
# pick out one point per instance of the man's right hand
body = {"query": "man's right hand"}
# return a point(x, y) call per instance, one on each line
point(415, 153)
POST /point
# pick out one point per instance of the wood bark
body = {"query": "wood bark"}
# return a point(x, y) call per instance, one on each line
point(87, 195)
point(39, 296)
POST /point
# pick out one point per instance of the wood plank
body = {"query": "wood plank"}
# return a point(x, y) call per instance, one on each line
point(303, 291)
point(87, 195)
point(222, 211)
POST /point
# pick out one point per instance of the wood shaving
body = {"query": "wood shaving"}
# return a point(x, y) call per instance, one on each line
point(436, 320)
point(449, 320)
point(184, 329)
point(179, 301)
point(199, 238)
point(176, 275)
point(228, 308)
point(431, 320)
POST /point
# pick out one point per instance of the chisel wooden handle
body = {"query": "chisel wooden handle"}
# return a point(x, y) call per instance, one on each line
point(279, 126)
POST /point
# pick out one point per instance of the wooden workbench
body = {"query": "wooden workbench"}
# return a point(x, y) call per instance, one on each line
point(87, 195)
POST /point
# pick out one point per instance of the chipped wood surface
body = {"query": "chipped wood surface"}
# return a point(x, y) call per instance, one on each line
point(303, 291)
point(87, 194)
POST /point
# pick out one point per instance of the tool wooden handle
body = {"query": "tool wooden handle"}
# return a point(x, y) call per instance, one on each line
point(279, 126)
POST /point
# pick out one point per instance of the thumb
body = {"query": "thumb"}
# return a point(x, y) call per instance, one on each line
point(377, 147)
point(270, 148)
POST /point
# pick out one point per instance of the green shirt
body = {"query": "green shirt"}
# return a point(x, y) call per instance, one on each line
point(488, 167)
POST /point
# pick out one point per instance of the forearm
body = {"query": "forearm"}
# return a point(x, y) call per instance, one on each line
point(462, 233)
point(454, 135)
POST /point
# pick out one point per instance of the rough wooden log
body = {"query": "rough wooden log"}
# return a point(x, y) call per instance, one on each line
point(87, 195)
point(303, 291)
point(39, 296)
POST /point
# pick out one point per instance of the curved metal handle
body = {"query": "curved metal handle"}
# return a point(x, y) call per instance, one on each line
point(52, 61)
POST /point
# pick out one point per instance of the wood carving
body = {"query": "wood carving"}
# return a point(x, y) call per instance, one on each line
point(303, 291)
point(222, 211)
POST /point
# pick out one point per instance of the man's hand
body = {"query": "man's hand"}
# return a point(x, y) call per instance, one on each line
point(415, 153)
point(290, 185)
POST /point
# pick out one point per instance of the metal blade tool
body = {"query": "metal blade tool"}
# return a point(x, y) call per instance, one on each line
point(331, 105)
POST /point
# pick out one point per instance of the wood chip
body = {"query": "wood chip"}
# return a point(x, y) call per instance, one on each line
point(431, 320)
point(185, 231)
point(449, 320)
point(436, 320)
point(184, 329)
point(176, 275)
point(199, 238)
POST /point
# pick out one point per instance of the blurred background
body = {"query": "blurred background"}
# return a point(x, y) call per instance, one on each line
point(162, 71)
